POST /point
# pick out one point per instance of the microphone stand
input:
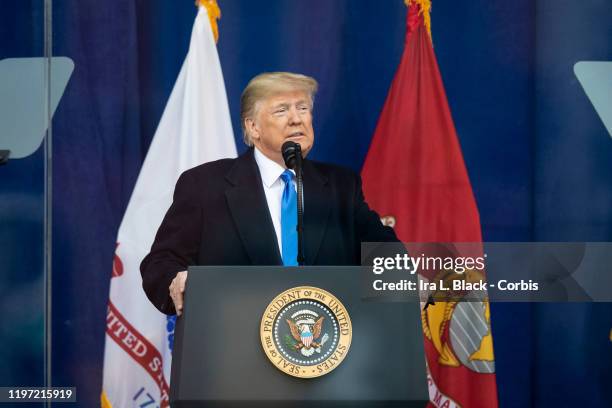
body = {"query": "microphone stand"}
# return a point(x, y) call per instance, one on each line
point(300, 204)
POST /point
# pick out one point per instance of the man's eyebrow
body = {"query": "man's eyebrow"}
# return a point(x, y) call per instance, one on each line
point(287, 104)
point(280, 105)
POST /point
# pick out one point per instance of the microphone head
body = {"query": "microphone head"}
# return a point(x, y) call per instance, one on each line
point(290, 150)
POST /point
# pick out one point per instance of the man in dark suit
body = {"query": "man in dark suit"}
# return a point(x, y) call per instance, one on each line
point(231, 211)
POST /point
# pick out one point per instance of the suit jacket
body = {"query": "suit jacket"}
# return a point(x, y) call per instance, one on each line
point(219, 216)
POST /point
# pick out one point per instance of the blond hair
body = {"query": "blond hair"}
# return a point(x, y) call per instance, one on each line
point(268, 84)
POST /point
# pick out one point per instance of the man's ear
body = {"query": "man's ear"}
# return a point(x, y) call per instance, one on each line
point(251, 128)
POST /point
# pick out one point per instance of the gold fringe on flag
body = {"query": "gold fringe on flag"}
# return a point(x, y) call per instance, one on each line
point(214, 13)
point(425, 10)
point(104, 402)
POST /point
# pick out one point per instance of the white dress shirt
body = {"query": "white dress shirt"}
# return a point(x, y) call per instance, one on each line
point(273, 186)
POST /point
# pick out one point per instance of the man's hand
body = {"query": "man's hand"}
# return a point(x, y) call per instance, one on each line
point(177, 288)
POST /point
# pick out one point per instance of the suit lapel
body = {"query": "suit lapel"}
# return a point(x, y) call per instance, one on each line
point(316, 210)
point(247, 203)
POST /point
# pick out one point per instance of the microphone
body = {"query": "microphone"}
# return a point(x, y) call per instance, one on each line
point(292, 155)
point(290, 151)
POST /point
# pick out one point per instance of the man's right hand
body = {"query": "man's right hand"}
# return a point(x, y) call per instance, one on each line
point(177, 289)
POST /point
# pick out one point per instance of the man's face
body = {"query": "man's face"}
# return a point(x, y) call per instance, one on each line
point(279, 118)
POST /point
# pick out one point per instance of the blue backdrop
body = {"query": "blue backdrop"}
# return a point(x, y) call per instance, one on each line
point(536, 151)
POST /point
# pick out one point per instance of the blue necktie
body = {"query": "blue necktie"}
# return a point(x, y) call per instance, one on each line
point(289, 237)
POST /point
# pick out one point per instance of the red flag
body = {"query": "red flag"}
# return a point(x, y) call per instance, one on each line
point(415, 178)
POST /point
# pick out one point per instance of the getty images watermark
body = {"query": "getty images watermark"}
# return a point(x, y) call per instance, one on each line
point(514, 272)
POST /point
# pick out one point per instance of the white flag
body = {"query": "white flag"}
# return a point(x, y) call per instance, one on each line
point(195, 128)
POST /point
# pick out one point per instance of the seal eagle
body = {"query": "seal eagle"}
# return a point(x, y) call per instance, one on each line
point(303, 334)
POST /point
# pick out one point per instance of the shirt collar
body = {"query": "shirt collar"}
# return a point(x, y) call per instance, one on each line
point(269, 169)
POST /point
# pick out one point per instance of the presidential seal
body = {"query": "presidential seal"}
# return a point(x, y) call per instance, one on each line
point(306, 332)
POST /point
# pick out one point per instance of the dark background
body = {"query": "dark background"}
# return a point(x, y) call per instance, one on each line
point(537, 154)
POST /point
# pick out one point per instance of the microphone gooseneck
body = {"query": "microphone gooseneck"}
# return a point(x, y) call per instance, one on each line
point(292, 155)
